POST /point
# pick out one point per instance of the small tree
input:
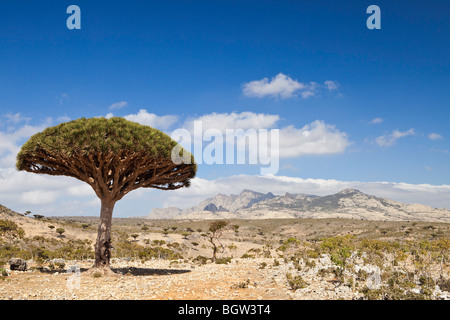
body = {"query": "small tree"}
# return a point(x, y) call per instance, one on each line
point(51, 227)
point(60, 231)
point(134, 235)
point(215, 232)
point(185, 234)
point(114, 156)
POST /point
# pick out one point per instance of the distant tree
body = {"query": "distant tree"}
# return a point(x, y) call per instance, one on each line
point(60, 231)
point(114, 156)
point(134, 235)
point(215, 232)
point(185, 234)
point(51, 227)
point(85, 225)
point(27, 213)
point(38, 216)
point(145, 228)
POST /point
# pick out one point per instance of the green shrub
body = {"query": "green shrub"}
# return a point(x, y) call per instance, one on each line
point(296, 282)
point(225, 260)
point(200, 260)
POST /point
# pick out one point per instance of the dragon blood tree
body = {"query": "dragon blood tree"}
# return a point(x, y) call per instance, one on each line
point(114, 156)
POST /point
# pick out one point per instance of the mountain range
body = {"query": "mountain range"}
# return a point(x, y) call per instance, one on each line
point(348, 203)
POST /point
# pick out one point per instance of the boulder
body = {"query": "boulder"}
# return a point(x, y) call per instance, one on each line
point(17, 264)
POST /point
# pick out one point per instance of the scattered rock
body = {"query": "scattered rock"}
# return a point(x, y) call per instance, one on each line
point(17, 264)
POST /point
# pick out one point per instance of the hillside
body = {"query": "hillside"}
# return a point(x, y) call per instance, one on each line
point(348, 204)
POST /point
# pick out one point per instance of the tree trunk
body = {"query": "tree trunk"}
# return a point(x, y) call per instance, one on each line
point(103, 244)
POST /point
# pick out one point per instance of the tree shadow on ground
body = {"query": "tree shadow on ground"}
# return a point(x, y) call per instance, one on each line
point(52, 271)
point(148, 271)
point(125, 271)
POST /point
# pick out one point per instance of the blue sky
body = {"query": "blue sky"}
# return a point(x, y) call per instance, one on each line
point(170, 62)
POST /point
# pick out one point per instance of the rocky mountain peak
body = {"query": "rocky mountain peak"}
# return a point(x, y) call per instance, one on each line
point(349, 191)
point(348, 203)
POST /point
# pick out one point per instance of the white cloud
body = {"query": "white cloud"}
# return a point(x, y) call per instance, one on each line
point(39, 197)
point(331, 85)
point(10, 142)
point(432, 195)
point(283, 86)
point(118, 105)
point(243, 120)
point(150, 119)
point(314, 138)
point(376, 120)
point(389, 140)
point(15, 118)
point(434, 136)
point(280, 86)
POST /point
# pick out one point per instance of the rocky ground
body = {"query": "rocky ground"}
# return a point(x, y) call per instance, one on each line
point(156, 279)
point(242, 279)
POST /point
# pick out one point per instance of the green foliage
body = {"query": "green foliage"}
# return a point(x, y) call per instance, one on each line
point(60, 231)
point(296, 282)
point(123, 248)
point(262, 265)
point(224, 260)
point(200, 260)
point(10, 229)
point(134, 235)
point(218, 225)
point(99, 135)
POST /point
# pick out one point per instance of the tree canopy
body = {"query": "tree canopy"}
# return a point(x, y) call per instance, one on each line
point(114, 156)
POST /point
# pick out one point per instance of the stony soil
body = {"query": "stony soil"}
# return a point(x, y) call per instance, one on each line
point(243, 279)
point(152, 280)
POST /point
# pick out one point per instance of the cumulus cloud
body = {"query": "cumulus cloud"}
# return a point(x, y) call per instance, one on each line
point(314, 138)
point(150, 119)
point(434, 136)
point(283, 86)
point(23, 191)
point(243, 120)
point(280, 86)
point(12, 139)
point(390, 139)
